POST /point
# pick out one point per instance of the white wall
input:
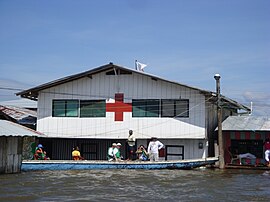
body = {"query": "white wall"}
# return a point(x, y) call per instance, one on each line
point(135, 86)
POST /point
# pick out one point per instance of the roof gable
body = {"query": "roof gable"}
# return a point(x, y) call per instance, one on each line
point(112, 69)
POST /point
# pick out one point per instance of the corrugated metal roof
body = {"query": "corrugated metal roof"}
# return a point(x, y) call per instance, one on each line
point(8, 128)
point(246, 123)
point(21, 115)
point(17, 113)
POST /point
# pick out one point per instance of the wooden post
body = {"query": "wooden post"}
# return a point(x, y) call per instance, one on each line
point(219, 117)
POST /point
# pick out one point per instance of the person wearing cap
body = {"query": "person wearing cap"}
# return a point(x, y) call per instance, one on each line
point(131, 141)
point(153, 148)
point(111, 155)
point(117, 153)
point(40, 154)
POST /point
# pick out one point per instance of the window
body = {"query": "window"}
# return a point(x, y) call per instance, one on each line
point(174, 152)
point(167, 108)
point(174, 108)
point(145, 108)
point(92, 108)
point(65, 108)
point(182, 108)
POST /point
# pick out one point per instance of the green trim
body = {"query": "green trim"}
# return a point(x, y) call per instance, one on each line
point(232, 135)
point(242, 135)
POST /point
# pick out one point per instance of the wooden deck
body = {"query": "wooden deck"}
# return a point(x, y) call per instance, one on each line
point(246, 166)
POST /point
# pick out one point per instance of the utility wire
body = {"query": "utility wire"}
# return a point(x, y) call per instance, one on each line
point(8, 88)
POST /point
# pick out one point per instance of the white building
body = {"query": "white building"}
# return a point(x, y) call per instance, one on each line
point(97, 107)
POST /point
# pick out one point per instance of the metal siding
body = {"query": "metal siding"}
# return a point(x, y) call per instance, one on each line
point(77, 89)
point(82, 87)
point(139, 87)
point(65, 89)
point(94, 86)
point(62, 148)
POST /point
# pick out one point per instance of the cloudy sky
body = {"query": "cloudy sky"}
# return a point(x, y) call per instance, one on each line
point(183, 41)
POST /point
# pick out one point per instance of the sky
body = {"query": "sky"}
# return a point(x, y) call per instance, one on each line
point(183, 41)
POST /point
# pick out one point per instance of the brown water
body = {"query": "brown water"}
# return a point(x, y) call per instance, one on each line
point(137, 185)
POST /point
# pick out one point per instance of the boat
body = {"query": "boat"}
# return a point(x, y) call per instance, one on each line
point(32, 165)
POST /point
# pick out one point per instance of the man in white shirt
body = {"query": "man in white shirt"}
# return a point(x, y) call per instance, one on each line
point(153, 148)
point(131, 146)
point(131, 138)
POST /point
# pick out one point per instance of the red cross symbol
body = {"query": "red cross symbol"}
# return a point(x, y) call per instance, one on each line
point(119, 107)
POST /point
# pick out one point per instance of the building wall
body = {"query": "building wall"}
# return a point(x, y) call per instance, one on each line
point(134, 86)
point(10, 154)
point(96, 149)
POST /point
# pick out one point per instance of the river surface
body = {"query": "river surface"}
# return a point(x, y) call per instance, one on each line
point(137, 185)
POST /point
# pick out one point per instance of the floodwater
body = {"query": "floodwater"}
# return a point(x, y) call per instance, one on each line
point(137, 185)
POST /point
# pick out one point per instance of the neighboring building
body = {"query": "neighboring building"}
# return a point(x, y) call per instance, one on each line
point(245, 134)
point(97, 107)
point(11, 145)
point(22, 116)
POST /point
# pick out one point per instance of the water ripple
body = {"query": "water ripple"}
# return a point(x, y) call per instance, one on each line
point(136, 185)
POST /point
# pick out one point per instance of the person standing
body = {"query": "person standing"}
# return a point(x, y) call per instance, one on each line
point(153, 148)
point(267, 151)
point(131, 141)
